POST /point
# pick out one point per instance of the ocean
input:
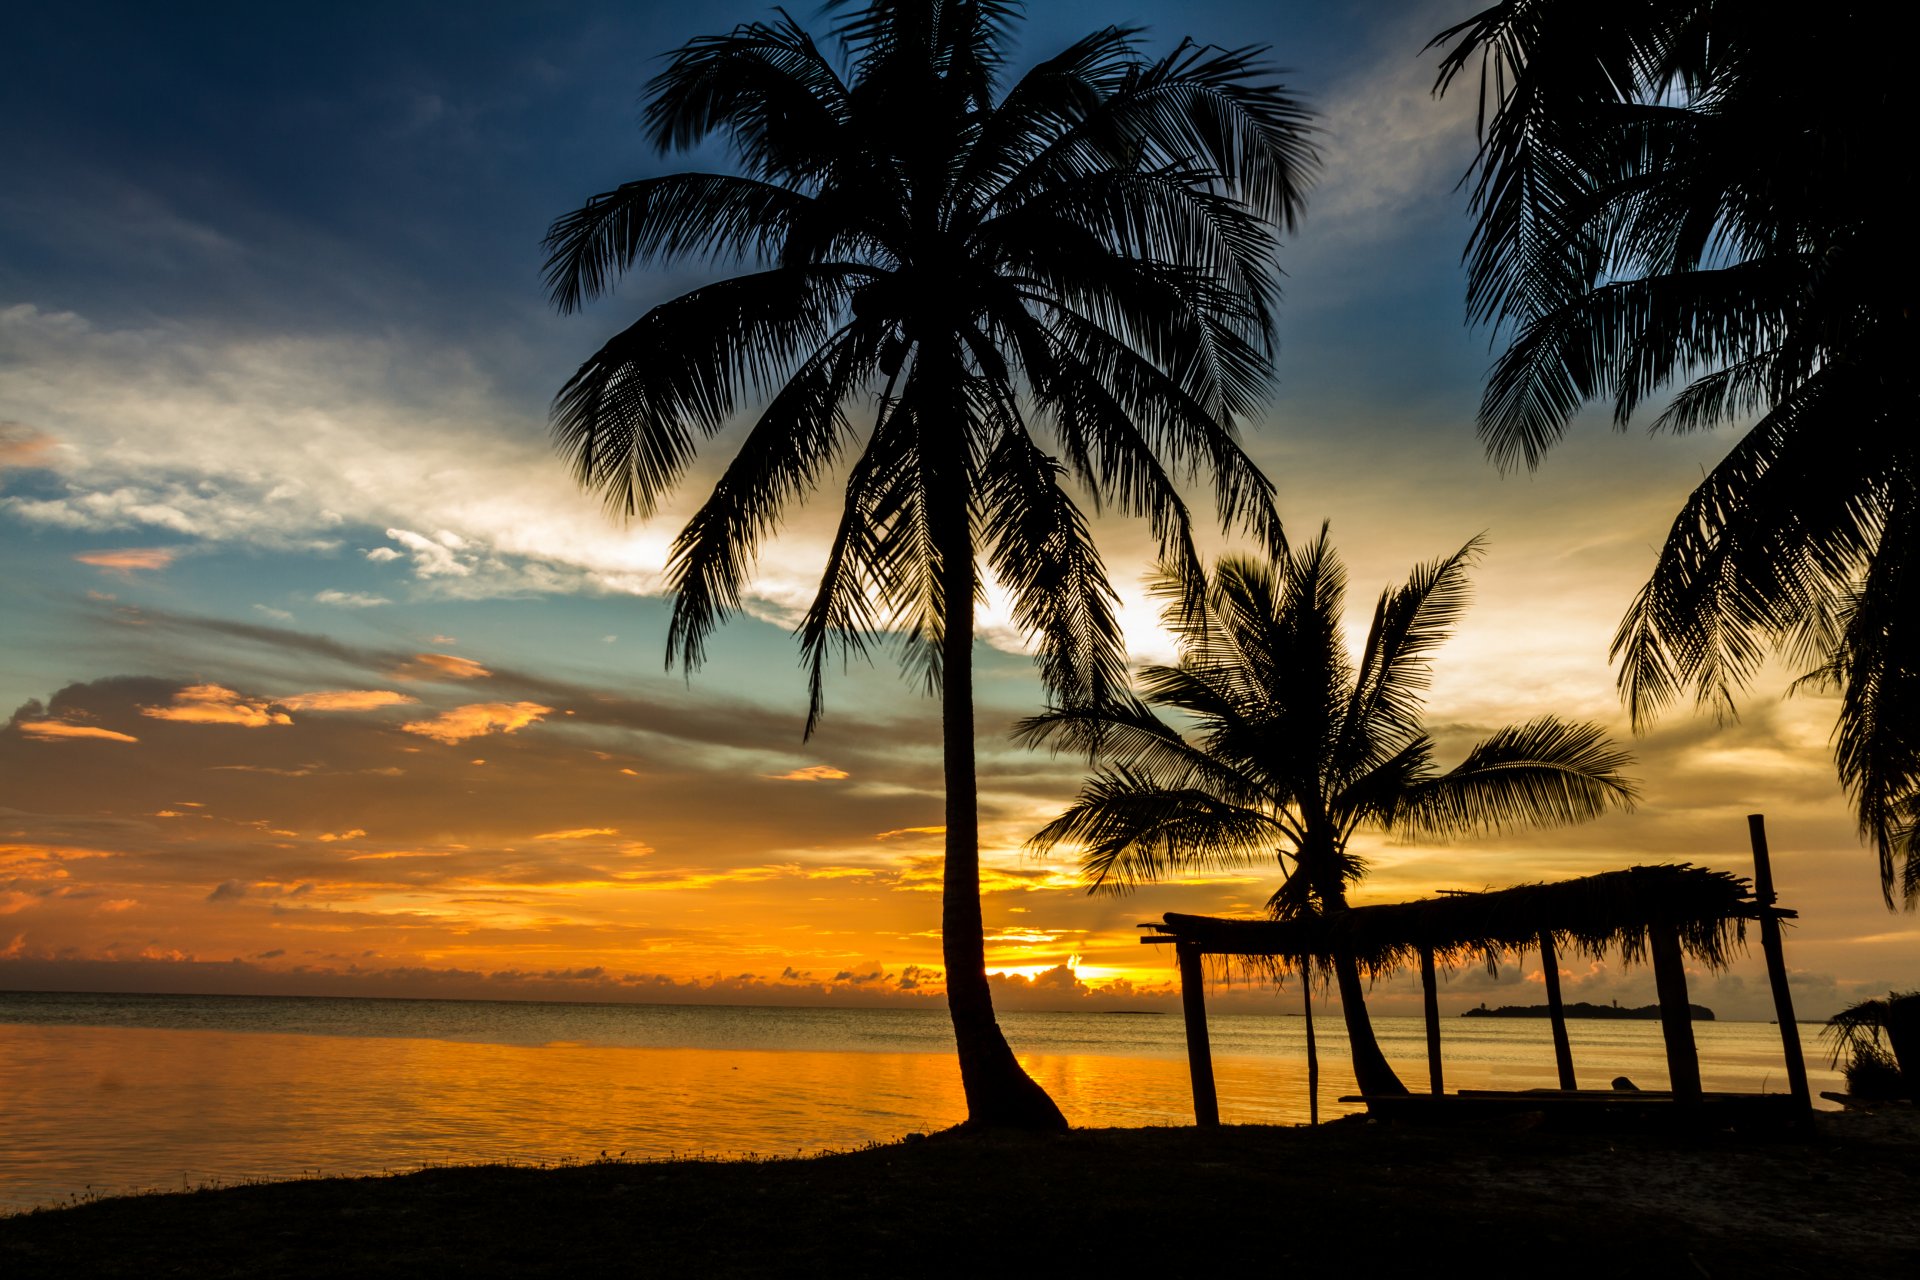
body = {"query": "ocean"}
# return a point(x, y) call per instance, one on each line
point(106, 1094)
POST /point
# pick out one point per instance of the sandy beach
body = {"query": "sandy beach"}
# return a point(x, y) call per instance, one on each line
point(1368, 1198)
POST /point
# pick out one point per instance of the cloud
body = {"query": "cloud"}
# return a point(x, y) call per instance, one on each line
point(577, 833)
point(129, 560)
point(345, 700)
point(897, 832)
point(328, 837)
point(217, 704)
point(22, 447)
point(435, 557)
point(439, 666)
point(812, 773)
point(350, 599)
point(53, 730)
point(278, 615)
point(477, 720)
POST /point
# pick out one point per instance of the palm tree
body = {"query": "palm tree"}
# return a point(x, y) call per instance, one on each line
point(1291, 747)
point(943, 263)
point(1712, 196)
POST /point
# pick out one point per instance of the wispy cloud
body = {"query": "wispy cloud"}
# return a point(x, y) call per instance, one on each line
point(577, 833)
point(54, 730)
point(439, 666)
point(217, 704)
point(812, 773)
point(21, 446)
point(350, 599)
point(477, 720)
point(345, 700)
point(130, 560)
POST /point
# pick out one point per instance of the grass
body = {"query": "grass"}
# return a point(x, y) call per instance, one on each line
point(1358, 1197)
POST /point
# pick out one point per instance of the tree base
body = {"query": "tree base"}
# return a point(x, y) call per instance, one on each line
point(1001, 1096)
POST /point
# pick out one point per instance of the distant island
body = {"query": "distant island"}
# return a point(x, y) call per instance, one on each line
point(1581, 1009)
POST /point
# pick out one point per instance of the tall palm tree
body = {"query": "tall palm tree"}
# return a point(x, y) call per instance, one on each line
point(1712, 197)
point(1290, 747)
point(944, 262)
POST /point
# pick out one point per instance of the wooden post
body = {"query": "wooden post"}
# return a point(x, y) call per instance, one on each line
point(1193, 1001)
point(1764, 897)
point(1431, 998)
point(1556, 1011)
point(1313, 1052)
point(1676, 1019)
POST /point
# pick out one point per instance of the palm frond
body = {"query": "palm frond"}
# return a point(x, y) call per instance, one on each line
point(1042, 553)
point(1133, 831)
point(627, 420)
point(798, 438)
point(766, 86)
point(1545, 773)
point(1394, 673)
point(681, 215)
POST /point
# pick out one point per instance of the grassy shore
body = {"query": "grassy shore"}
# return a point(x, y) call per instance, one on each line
point(1363, 1198)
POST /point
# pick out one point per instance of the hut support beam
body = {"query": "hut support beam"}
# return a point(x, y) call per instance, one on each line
point(1676, 1019)
point(1313, 1051)
point(1193, 1002)
point(1556, 1011)
point(1765, 897)
point(1430, 996)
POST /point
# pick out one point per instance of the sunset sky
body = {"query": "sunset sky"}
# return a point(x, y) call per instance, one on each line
point(323, 677)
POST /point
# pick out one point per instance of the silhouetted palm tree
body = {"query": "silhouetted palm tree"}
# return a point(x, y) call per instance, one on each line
point(1088, 250)
point(1291, 747)
point(1718, 196)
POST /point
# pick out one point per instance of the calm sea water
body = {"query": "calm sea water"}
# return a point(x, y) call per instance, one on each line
point(111, 1093)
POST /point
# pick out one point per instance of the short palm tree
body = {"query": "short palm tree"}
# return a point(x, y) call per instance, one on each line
point(1285, 747)
point(943, 263)
point(1713, 197)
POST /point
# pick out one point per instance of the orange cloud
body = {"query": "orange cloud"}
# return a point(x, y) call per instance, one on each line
point(478, 719)
point(330, 836)
point(812, 773)
point(439, 666)
point(52, 729)
point(911, 831)
point(22, 446)
point(344, 700)
point(128, 559)
point(578, 833)
point(217, 704)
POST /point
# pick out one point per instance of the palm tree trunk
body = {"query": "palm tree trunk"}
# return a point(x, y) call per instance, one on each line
point(1000, 1094)
point(1371, 1071)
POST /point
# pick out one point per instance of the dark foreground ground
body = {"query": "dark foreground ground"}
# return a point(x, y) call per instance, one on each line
point(1366, 1199)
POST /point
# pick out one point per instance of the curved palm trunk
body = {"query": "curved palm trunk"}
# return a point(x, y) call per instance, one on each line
point(1000, 1094)
point(1371, 1071)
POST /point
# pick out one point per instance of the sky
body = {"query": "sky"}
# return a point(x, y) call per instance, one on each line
point(321, 676)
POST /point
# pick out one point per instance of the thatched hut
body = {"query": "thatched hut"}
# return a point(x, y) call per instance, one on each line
point(1664, 913)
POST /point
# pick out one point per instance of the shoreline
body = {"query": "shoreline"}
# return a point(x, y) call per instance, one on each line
point(1352, 1193)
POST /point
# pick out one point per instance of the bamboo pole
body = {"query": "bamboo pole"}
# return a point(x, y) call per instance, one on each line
point(1430, 998)
point(1764, 897)
point(1556, 1011)
point(1676, 1019)
point(1313, 1052)
point(1193, 1002)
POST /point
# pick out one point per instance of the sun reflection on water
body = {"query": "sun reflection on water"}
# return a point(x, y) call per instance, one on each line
point(115, 1109)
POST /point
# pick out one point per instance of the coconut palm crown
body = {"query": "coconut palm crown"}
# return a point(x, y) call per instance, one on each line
point(1714, 199)
point(958, 295)
point(1285, 747)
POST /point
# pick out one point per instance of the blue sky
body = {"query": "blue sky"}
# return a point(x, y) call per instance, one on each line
point(274, 364)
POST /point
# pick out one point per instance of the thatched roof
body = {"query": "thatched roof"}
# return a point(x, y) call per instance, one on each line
point(1709, 909)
